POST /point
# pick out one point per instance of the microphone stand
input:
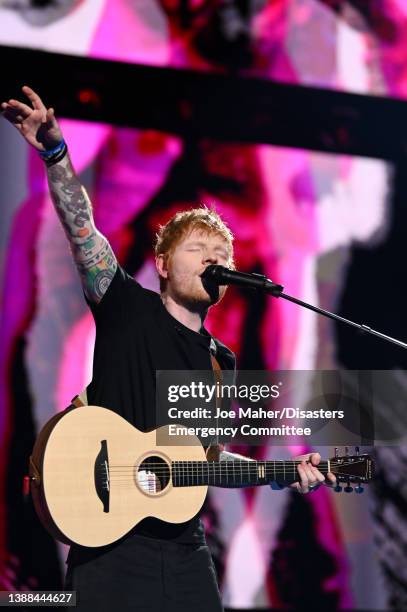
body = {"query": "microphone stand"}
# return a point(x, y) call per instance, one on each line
point(277, 291)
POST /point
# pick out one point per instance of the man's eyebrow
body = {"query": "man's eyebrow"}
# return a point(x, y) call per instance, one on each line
point(200, 243)
point(219, 246)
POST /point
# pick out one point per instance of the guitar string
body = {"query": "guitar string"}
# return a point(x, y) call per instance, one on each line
point(237, 462)
point(192, 469)
point(196, 471)
point(119, 477)
point(179, 478)
point(227, 465)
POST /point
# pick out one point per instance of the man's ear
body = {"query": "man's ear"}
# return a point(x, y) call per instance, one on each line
point(161, 265)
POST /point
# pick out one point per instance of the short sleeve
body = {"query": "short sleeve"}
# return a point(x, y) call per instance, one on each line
point(122, 295)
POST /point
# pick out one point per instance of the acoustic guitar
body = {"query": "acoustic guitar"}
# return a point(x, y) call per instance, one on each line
point(94, 476)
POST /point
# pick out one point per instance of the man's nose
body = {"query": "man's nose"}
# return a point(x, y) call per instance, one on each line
point(211, 258)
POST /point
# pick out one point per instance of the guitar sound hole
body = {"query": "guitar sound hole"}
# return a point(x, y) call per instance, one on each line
point(153, 475)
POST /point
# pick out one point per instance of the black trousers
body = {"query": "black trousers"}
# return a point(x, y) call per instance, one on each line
point(147, 575)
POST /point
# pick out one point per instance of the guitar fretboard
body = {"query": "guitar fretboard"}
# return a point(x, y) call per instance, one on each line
point(236, 473)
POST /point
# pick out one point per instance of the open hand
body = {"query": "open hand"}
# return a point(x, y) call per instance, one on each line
point(36, 123)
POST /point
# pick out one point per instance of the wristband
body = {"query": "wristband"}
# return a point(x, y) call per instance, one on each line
point(55, 155)
point(51, 152)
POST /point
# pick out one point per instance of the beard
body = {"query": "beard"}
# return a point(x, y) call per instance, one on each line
point(199, 297)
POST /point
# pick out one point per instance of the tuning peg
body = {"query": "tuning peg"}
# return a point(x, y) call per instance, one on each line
point(348, 488)
point(336, 451)
point(357, 450)
point(337, 488)
point(359, 489)
point(346, 450)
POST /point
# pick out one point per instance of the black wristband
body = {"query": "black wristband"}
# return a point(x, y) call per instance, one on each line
point(54, 159)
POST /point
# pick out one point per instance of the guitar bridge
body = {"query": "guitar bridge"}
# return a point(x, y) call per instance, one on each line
point(102, 476)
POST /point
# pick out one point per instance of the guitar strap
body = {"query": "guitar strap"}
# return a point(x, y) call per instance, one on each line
point(80, 400)
point(214, 449)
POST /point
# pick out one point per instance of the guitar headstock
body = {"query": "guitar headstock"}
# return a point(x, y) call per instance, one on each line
point(355, 468)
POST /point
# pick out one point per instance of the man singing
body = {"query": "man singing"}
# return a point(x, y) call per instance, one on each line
point(157, 566)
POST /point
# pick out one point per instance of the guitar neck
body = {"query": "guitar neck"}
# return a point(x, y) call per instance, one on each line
point(236, 473)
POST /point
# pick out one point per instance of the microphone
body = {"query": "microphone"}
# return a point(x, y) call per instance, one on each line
point(219, 275)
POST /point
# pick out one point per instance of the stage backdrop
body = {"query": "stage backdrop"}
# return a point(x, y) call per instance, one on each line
point(302, 218)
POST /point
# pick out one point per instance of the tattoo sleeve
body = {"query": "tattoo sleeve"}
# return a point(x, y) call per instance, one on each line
point(91, 251)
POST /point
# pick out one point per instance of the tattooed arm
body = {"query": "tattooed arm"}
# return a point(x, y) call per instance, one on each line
point(92, 253)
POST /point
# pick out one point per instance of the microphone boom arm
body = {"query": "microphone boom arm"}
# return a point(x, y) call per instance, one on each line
point(361, 326)
point(223, 276)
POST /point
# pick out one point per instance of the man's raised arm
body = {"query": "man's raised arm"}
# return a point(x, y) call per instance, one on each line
point(92, 253)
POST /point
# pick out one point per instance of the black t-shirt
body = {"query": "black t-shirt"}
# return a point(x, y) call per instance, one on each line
point(135, 336)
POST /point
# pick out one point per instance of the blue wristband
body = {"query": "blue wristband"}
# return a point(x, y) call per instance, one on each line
point(51, 152)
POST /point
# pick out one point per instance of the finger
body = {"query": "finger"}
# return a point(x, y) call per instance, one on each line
point(11, 111)
point(24, 109)
point(317, 475)
point(331, 477)
point(34, 98)
point(6, 108)
point(309, 473)
point(303, 457)
point(315, 458)
point(9, 107)
point(314, 476)
point(50, 119)
point(303, 478)
point(13, 118)
point(296, 486)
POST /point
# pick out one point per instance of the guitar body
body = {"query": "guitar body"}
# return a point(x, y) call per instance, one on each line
point(94, 476)
point(90, 480)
